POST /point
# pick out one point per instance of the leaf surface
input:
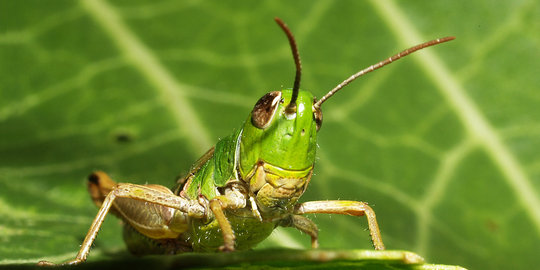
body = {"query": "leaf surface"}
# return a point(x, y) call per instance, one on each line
point(442, 144)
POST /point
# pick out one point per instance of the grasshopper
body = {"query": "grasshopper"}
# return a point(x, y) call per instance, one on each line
point(241, 189)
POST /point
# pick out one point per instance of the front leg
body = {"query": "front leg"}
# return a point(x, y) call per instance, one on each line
point(234, 198)
point(304, 225)
point(352, 208)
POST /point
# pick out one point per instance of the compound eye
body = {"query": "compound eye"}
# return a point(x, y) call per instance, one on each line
point(265, 109)
point(317, 117)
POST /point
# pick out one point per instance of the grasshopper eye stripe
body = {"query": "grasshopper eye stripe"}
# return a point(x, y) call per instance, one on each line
point(265, 109)
point(317, 117)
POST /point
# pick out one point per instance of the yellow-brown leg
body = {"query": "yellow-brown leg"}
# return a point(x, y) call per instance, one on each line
point(233, 199)
point(305, 225)
point(352, 208)
point(136, 192)
point(217, 206)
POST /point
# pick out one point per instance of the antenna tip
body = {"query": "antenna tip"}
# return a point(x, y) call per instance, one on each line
point(445, 39)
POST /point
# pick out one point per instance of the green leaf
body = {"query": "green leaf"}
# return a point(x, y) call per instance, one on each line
point(271, 259)
point(442, 144)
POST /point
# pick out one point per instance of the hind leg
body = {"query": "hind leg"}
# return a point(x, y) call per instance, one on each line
point(154, 194)
point(352, 208)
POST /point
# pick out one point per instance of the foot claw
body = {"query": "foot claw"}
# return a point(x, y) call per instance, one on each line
point(45, 263)
point(226, 248)
point(71, 262)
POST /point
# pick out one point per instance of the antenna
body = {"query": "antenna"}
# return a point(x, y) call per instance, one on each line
point(291, 108)
point(380, 65)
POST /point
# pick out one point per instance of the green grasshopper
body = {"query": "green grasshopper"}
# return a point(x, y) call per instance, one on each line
point(239, 191)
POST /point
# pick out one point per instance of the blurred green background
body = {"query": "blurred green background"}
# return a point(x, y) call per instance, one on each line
point(443, 144)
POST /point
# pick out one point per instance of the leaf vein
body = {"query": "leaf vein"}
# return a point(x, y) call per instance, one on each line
point(477, 126)
point(143, 59)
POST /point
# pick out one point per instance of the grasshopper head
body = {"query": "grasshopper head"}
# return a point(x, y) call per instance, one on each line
point(281, 138)
point(278, 144)
point(282, 127)
point(277, 148)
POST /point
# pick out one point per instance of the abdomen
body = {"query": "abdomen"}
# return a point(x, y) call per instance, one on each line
point(248, 230)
